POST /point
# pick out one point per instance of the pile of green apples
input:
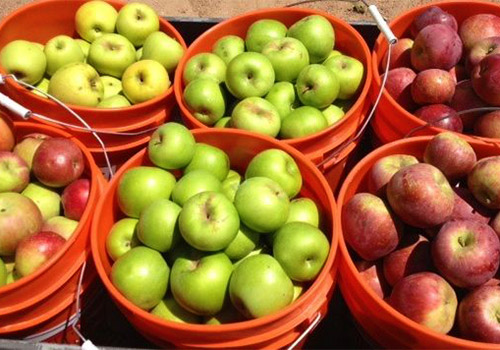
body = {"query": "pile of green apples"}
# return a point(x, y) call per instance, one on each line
point(278, 81)
point(213, 246)
point(102, 68)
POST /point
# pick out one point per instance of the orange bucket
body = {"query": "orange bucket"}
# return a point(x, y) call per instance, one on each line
point(56, 17)
point(316, 147)
point(387, 327)
point(273, 331)
point(392, 122)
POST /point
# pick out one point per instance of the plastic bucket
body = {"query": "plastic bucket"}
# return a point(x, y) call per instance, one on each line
point(382, 323)
point(316, 147)
point(273, 331)
point(56, 17)
point(36, 301)
point(392, 122)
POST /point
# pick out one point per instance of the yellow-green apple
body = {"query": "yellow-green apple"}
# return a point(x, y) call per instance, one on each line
point(298, 290)
point(370, 228)
point(317, 86)
point(483, 182)
point(433, 86)
point(199, 281)
point(58, 162)
point(112, 86)
point(25, 60)
point(12, 277)
point(144, 80)
point(223, 122)
point(484, 79)
point(317, 34)
point(466, 253)
point(278, 166)
point(303, 121)
point(172, 146)
point(46, 199)
point(84, 46)
point(262, 32)
point(488, 125)
point(141, 275)
point(436, 46)
point(332, 114)
point(258, 115)
point(288, 57)
point(61, 225)
point(164, 49)
point(35, 250)
point(400, 54)
point(433, 15)
point(334, 53)
point(205, 65)
point(169, 310)
point(468, 208)
point(60, 51)
point(244, 243)
point(398, 85)
point(138, 54)
point(282, 96)
point(7, 139)
point(116, 101)
point(349, 73)
point(3, 273)
point(14, 172)
point(262, 248)
point(249, 74)
point(74, 198)
point(230, 184)
point(373, 275)
point(195, 182)
point(427, 299)
point(95, 18)
point(205, 99)
point(481, 49)
point(465, 98)
point(42, 87)
point(39, 45)
point(136, 21)
point(78, 84)
point(259, 286)
point(211, 159)
point(384, 168)
point(441, 116)
point(228, 47)
point(141, 186)
point(303, 210)
point(478, 27)
point(228, 314)
point(122, 237)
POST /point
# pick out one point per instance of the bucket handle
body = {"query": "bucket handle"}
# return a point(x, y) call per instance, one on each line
point(306, 332)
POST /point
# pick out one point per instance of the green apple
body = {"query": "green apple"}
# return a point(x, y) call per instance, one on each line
point(112, 86)
point(204, 65)
point(301, 249)
point(169, 310)
point(136, 21)
point(46, 199)
point(230, 184)
point(164, 49)
point(60, 51)
point(261, 249)
point(333, 53)
point(303, 210)
point(228, 47)
point(258, 115)
point(157, 227)
point(209, 221)
point(263, 31)
point(111, 54)
point(95, 18)
point(223, 122)
point(303, 121)
point(172, 146)
point(282, 96)
point(122, 237)
point(141, 186)
point(25, 60)
point(145, 80)
point(333, 114)
point(141, 275)
point(193, 183)
point(61, 225)
point(78, 84)
point(279, 166)
point(42, 85)
point(259, 286)
point(39, 45)
point(3, 273)
point(317, 34)
point(27, 147)
point(85, 46)
point(228, 314)
point(199, 282)
point(249, 74)
point(205, 99)
point(116, 101)
point(244, 243)
point(211, 159)
point(288, 57)
point(262, 203)
point(12, 277)
point(349, 72)
point(298, 290)
point(138, 54)
point(317, 86)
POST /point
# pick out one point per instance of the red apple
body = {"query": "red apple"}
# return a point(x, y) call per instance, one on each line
point(436, 46)
point(481, 49)
point(398, 85)
point(14, 173)
point(495, 224)
point(466, 98)
point(427, 299)
point(433, 86)
point(478, 27)
point(27, 147)
point(400, 54)
point(421, 195)
point(74, 198)
point(458, 73)
point(7, 139)
point(382, 171)
point(369, 227)
point(433, 15)
point(35, 250)
point(468, 208)
point(58, 162)
point(440, 116)
point(373, 275)
point(484, 182)
point(488, 125)
point(486, 79)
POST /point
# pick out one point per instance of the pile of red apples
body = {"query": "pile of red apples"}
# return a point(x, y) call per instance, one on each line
point(445, 68)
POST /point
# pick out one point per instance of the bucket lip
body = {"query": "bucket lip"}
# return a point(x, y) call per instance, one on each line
point(105, 113)
point(299, 303)
point(347, 260)
point(362, 95)
point(376, 58)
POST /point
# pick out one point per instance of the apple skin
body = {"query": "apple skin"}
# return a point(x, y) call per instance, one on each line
point(46, 199)
point(259, 286)
point(485, 77)
point(205, 99)
point(244, 243)
point(117, 101)
point(333, 114)
point(433, 86)
point(122, 237)
point(303, 121)
point(436, 46)
point(478, 27)
point(459, 73)
point(141, 275)
point(228, 314)
point(488, 125)
point(481, 49)
point(168, 309)
point(451, 154)
point(434, 114)
point(136, 21)
point(282, 96)
point(164, 49)
point(468, 208)
point(228, 47)
point(427, 299)
point(262, 32)
point(74, 198)
point(466, 253)
point(349, 72)
point(477, 315)
point(141, 186)
point(466, 98)
point(61, 225)
point(14, 172)
point(398, 85)
point(483, 183)
point(433, 15)
point(25, 60)
point(304, 210)
point(195, 182)
point(258, 115)
point(373, 275)
point(3, 273)
point(7, 139)
point(383, 170)
point(230, 184)
point(204, 65)
point(211, 159)
point(111, 54)
point(369, 226)
point(84, 46)
point(426, 205)
point(27, 147)
point(288, 57)
point(94, 18)
point(400, 54)
point(60, 51)
point(112, 86)
point(317, 86)
point(223, 122)
point(144, 80)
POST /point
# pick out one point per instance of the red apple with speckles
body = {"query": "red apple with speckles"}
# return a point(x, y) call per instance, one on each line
point(486, 79)
point(478, 27)
point(468, 208)
point(433, 86)
point(488, 125)
point(398, 85)
point(382, 171)
point(465, 98)
point(440, 116)
point(484, 183)
point(373, 276)
point(74, 198)
point(7, 139)
point(400, 54)
point(433, 15)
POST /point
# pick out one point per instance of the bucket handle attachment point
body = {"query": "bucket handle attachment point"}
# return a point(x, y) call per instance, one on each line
point(306, 332)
